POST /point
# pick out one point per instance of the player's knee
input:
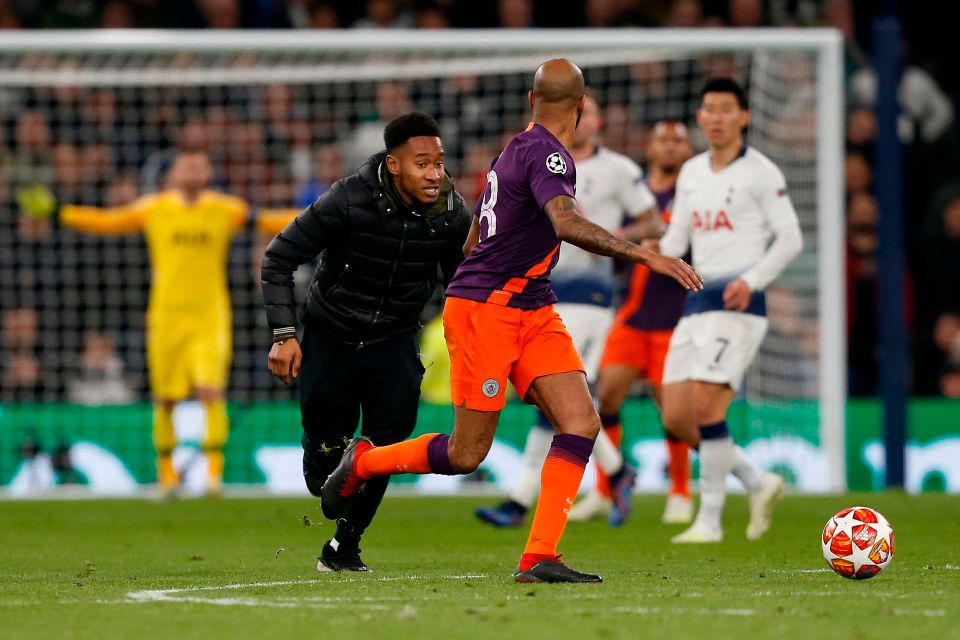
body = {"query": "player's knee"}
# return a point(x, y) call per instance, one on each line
point(465, 461)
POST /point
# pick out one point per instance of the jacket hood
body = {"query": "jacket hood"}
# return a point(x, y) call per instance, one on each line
point(374, 173)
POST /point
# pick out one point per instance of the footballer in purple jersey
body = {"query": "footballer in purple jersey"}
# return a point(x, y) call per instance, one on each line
point(518, 244)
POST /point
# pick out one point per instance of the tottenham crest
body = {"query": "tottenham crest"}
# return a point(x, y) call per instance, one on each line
point(556, 163)
point(491, 388)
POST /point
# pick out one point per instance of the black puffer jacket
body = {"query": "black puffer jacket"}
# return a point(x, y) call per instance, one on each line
point(379, 262)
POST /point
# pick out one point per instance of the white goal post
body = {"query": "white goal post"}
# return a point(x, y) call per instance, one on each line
point(794, 79)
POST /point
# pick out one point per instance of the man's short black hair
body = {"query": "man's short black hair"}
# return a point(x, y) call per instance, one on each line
point(409, 125)
point(726, 85)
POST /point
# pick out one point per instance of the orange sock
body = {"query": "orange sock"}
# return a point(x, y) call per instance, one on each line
point(679, 467)
point(615, 433)
point(409, 456)
point(559, 482)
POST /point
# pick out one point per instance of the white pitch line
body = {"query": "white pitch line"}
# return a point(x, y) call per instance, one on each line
point(176, 595)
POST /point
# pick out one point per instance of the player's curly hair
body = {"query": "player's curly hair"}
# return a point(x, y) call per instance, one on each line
point(409, 125)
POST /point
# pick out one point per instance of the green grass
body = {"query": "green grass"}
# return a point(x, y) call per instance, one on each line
point(75, 569)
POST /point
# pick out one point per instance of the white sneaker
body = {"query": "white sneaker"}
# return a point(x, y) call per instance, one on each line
point(698, 534)
point(762, 503)
point(593, 505)
point(679, 509)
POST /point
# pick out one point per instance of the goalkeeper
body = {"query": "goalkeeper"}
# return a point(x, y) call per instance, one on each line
point(188, 231)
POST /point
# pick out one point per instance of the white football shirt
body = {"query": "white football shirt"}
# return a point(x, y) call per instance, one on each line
point(610, 186)
point(729, 216)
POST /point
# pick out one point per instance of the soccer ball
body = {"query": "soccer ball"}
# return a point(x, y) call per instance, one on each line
point(858, 543)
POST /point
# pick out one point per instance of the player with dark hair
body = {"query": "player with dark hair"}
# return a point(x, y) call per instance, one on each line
point(731, 200)
point(500, 325)
point(188, 230)
point(381, 233)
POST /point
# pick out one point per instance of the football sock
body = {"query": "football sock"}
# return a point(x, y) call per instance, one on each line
point(678, 465)
point(748, 473)
point(560, 480)
point(716, 459)
point(426, 454)
point(214, 467)
point(534, 452)
point(611, 427)
point(607, 454)
point(346, 536)
point(214, 439)
point(166, 474)
point(164, 440)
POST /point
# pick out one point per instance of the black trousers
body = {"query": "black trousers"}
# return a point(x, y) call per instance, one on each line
point(377, 387)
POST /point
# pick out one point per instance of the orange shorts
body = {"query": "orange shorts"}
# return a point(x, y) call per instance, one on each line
point(642, 350)
point(490, 344)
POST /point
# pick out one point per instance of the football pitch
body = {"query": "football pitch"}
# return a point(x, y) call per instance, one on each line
point(245, 568)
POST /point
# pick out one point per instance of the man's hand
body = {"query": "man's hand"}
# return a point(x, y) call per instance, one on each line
point(736, 296)
point(676, 268)
point(284, 360)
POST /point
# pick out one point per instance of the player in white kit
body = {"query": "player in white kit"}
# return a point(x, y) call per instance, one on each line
point(610, 187)
point(730, 201)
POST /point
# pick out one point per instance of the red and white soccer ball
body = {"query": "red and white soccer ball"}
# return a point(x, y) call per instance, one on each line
point(858, 543)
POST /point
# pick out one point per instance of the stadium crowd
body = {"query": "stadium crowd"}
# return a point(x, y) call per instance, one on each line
point(274, 147)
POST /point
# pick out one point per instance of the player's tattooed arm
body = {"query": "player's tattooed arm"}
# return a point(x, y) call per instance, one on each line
point(572, 227)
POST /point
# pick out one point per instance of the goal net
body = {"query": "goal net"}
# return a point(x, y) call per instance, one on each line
point(96, 118)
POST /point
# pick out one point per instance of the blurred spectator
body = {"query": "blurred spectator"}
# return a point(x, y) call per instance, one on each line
point(603, 13)
point(101, 380)
point(926, 112)
point(685, 14)
point(431, 16)
point(950, 382)
point(21, 377)
point(745, 13)
point(117, 15)
point(384, 14)
point(324, 16)
point(328, 168)
point(367, 138)
point(857, 171)
point(515, 14)
point(862, 130)
point(8, 17)
point(839, 14)
point(862, 294)
point(220, 14)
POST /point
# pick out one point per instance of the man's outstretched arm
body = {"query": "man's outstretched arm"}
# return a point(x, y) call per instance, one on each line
point(572, 227)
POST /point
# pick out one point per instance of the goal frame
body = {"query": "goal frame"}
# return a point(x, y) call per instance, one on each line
point(826, 44)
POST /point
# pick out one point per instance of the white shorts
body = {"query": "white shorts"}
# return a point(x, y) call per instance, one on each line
point(715, 346)
point(588, 325)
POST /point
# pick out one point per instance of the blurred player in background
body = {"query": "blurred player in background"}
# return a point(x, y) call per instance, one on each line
point(637, 344)
point(500, 325)
point(730, 200)
point(609, 186)
point(188, 230)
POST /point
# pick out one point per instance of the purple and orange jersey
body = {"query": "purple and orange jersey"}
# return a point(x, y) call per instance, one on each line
point(518, 246)
point(654, 302)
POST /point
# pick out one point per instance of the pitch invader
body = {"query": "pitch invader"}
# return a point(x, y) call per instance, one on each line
point(730, 201)
point(609, 185)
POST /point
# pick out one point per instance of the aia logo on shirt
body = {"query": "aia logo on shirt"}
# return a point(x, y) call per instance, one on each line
point(710, 221)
